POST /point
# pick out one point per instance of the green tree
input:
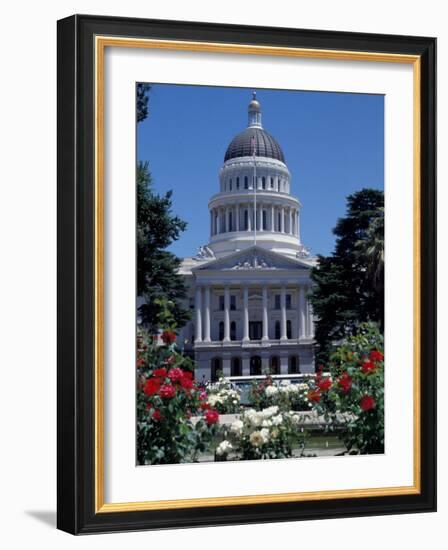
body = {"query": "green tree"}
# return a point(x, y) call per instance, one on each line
point(345, 293)
point(158, 280)
point(142, 101)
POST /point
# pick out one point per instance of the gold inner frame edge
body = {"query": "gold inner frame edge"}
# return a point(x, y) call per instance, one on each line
point(101, 42)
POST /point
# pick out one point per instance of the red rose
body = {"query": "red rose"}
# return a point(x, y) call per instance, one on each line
point(152, 386)
point(368, 367)
point(345, 382)
point(186, 383)
point(204, 406)
point(376, 355)
point(188, 374)
point(140, 362)
point(367, 402)
point(325, 384)
point(161, 373)
point(157, 415)
point(175, 374)
point(168, 337)
point(314, 395)
point(211, 416)
point(167, 391)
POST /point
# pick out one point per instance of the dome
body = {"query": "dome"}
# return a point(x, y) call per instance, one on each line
point(265, 145)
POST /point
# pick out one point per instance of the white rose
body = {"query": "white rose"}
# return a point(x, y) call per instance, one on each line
point(269, 411)
point(237, 427)
point(271, 390)
point(264, 434)
point(224, 447)
point(256, 439)
point(266, 423)
point(277, 420)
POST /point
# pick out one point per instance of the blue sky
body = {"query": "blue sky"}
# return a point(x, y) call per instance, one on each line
point(333, 145)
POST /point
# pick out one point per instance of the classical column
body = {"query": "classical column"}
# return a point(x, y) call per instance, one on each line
point(228, 220)
point(290, 221)
point(237, 217)
point(218, 221)
point(302, 320)
point(259, 218)
point(249, 217)
point(226, 315)
point(246, 314)
point(265, 314)
point(207, 314)
point(298, 225)
point(198, 308)
point(272, 218)
point(282, 219)
point(283, 364)
point(283, 335)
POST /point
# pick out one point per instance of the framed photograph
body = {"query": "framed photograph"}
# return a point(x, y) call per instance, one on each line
point(246, 274)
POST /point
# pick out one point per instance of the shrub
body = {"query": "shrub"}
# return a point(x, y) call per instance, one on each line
point(285, 395)
point(167, 398)
point(223, 397)
point(354, 391)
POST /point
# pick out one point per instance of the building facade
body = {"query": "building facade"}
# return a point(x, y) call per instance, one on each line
point(248, 286)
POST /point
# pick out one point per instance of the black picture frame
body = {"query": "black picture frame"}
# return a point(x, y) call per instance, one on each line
point(76, 255)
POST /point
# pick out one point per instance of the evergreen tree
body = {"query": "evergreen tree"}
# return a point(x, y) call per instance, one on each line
point(348, 288)
point(158, 280)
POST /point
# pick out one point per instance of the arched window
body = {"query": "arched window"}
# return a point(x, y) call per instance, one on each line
point(272, 183)
point(293, 365)
point(221, 330)
point(277, 330)
point(265, 220)
point(230, 184)
point(246, 220)
point(263, 182)
point(216, 368)
point(246, 182)
point(230, 228)
point(233, 330)
point(275, 365)
point(288, 330)
point(255, 365)
point(235, 367)
point(237, 183)
point(279, 221)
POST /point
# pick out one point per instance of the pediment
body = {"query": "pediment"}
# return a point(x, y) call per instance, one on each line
point(253, 259)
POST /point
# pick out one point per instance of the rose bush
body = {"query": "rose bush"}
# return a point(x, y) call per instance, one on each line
point(287, 396)
point(353, 394)
point(167, 398)
point(223, 397)
point(269, 433)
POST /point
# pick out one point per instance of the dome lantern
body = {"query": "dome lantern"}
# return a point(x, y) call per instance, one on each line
point(254, 112)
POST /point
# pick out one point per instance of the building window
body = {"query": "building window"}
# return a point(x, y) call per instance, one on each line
point(221, 303)
point(216, 369)
point(221, 330)
point(232, 302)
point(279, 222)
point(275, 365)
point(293, 365)
point(235, 367)
point(230, 221)
point(233, 330)
point(246, 182)
point(272, 183)
point(237, 183)
point(265, 220)
point(255, 365)
point(288, 301)
point(263, 182)
point(277, 304)
point(277, 330)
point(288, 330)
point(230, 184)
point(246, 220)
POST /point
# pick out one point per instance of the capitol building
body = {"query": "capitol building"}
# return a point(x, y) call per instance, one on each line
point(248, 285)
